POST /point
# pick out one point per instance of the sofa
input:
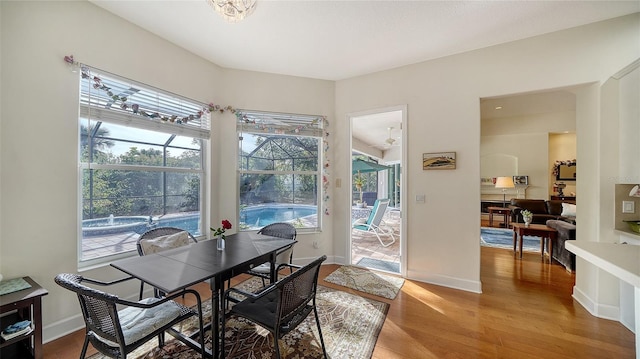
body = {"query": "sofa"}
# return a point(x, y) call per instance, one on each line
point(566, 231)
point(542, 210)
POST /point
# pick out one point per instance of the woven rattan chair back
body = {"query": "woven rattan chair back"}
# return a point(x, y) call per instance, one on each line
point(280, 230)
point(102, 320)
point(293, 297)
point(155, 233)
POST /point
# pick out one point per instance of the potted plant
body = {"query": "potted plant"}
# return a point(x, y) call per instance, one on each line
point(527, 216)
point(359, 182)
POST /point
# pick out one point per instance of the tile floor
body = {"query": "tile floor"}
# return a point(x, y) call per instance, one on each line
point(367, 244)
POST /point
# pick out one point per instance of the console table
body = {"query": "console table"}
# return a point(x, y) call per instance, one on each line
point(25, 304)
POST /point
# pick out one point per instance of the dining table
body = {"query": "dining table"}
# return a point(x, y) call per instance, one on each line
point(179, 268)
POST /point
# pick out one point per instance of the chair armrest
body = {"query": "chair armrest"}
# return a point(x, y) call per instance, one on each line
point(292, 266)
point(163, 300)
point(359, 221)
point(98, 282)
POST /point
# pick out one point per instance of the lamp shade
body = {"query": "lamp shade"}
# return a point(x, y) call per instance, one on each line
point(504, 182)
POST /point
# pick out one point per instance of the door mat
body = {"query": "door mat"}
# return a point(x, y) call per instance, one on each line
point(379, 264)
point(366, 281)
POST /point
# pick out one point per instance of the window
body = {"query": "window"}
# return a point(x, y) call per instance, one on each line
point(279, 169)
point(141, 159)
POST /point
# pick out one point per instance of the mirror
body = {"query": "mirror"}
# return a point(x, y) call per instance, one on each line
point(566, 172)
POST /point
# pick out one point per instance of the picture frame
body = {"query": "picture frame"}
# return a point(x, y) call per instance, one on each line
point(521, 180)
point(439, 161)
point(488, 181)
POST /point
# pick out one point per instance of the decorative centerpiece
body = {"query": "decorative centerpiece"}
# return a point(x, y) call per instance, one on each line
point(219, 232)
point(527, 216)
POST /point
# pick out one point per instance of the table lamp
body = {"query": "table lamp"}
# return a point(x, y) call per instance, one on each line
point(504, 183)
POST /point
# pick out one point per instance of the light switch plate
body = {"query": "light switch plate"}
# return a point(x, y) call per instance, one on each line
point(628, 207)
point(421, 198)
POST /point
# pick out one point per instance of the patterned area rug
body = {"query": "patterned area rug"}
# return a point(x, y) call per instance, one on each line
point(367, 281)
point(350, 328)
point(503, 238)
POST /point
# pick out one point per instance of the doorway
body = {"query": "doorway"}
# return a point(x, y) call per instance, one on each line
point(378, 145)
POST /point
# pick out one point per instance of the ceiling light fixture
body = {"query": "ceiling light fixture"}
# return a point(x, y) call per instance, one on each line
point(233, 10)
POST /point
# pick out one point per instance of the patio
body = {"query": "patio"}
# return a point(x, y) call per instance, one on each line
point(366, 245)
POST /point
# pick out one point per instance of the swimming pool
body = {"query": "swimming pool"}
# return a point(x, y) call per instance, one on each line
point(261, 215)
point(253, 217)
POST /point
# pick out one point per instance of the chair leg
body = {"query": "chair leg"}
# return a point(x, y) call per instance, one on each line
point(324, 350)
point(141, 290)
point(276, 346)
point(84, 347)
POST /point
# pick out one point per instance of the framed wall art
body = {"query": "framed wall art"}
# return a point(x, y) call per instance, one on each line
point(521, 180)
point(439, 161)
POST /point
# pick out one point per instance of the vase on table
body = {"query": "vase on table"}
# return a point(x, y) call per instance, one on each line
point(220, 243)
point(527, 221)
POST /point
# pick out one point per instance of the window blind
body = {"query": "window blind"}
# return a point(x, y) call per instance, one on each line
point(280, 123)
point(111, 98)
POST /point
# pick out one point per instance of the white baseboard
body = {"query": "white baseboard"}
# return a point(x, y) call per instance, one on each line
point(62, 327)
point(597, 310)
point(446, 281)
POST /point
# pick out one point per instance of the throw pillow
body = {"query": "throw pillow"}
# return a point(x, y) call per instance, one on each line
point(568, 210)
point(159, 244)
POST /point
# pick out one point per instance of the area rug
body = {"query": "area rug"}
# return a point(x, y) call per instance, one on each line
point(350, 328)
point(379, 264)
point(503, 238)
point(367, 281)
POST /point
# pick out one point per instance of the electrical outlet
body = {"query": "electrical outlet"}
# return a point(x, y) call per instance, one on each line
point(316, 245)
point(421, 198)
point(628, 207)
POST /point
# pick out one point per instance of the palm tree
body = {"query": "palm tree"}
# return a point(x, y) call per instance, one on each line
point(99, 143)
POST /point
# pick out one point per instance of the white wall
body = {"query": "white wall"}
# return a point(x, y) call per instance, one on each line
point(527, 139)
point(443, 113)
point(39, 131)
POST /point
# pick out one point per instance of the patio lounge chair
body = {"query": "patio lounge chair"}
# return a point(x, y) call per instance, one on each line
point(375, 224)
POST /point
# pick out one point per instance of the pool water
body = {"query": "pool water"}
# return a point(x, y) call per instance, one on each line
point(253, 217)
point(262, 215)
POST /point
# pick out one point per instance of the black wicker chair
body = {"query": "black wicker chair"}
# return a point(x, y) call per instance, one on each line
point(284, 257)
point(116, 333)
point(155, 234)
point(282, 306)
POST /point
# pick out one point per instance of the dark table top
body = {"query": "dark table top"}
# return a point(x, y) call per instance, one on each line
point(182, 267)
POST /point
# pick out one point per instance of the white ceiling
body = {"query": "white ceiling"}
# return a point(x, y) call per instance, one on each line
point(335, 40)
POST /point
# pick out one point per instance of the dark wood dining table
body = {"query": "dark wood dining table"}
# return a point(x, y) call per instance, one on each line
point(175, 269)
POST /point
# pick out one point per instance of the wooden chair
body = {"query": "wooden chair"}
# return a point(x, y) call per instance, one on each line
point(160, 239)
point(281, 306)
point(116, 333)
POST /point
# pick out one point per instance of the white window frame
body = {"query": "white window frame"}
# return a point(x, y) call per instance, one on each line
point(94, 111)
point(269, 123)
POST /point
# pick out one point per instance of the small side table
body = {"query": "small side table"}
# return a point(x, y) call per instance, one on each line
point(500, 210)
point(547, 235)
point(25, 304)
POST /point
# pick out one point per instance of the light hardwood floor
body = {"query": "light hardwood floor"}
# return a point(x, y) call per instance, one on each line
point(525, 311)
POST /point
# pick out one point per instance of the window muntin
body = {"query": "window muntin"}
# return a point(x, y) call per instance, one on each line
point(279, 171)
point(138, 170)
